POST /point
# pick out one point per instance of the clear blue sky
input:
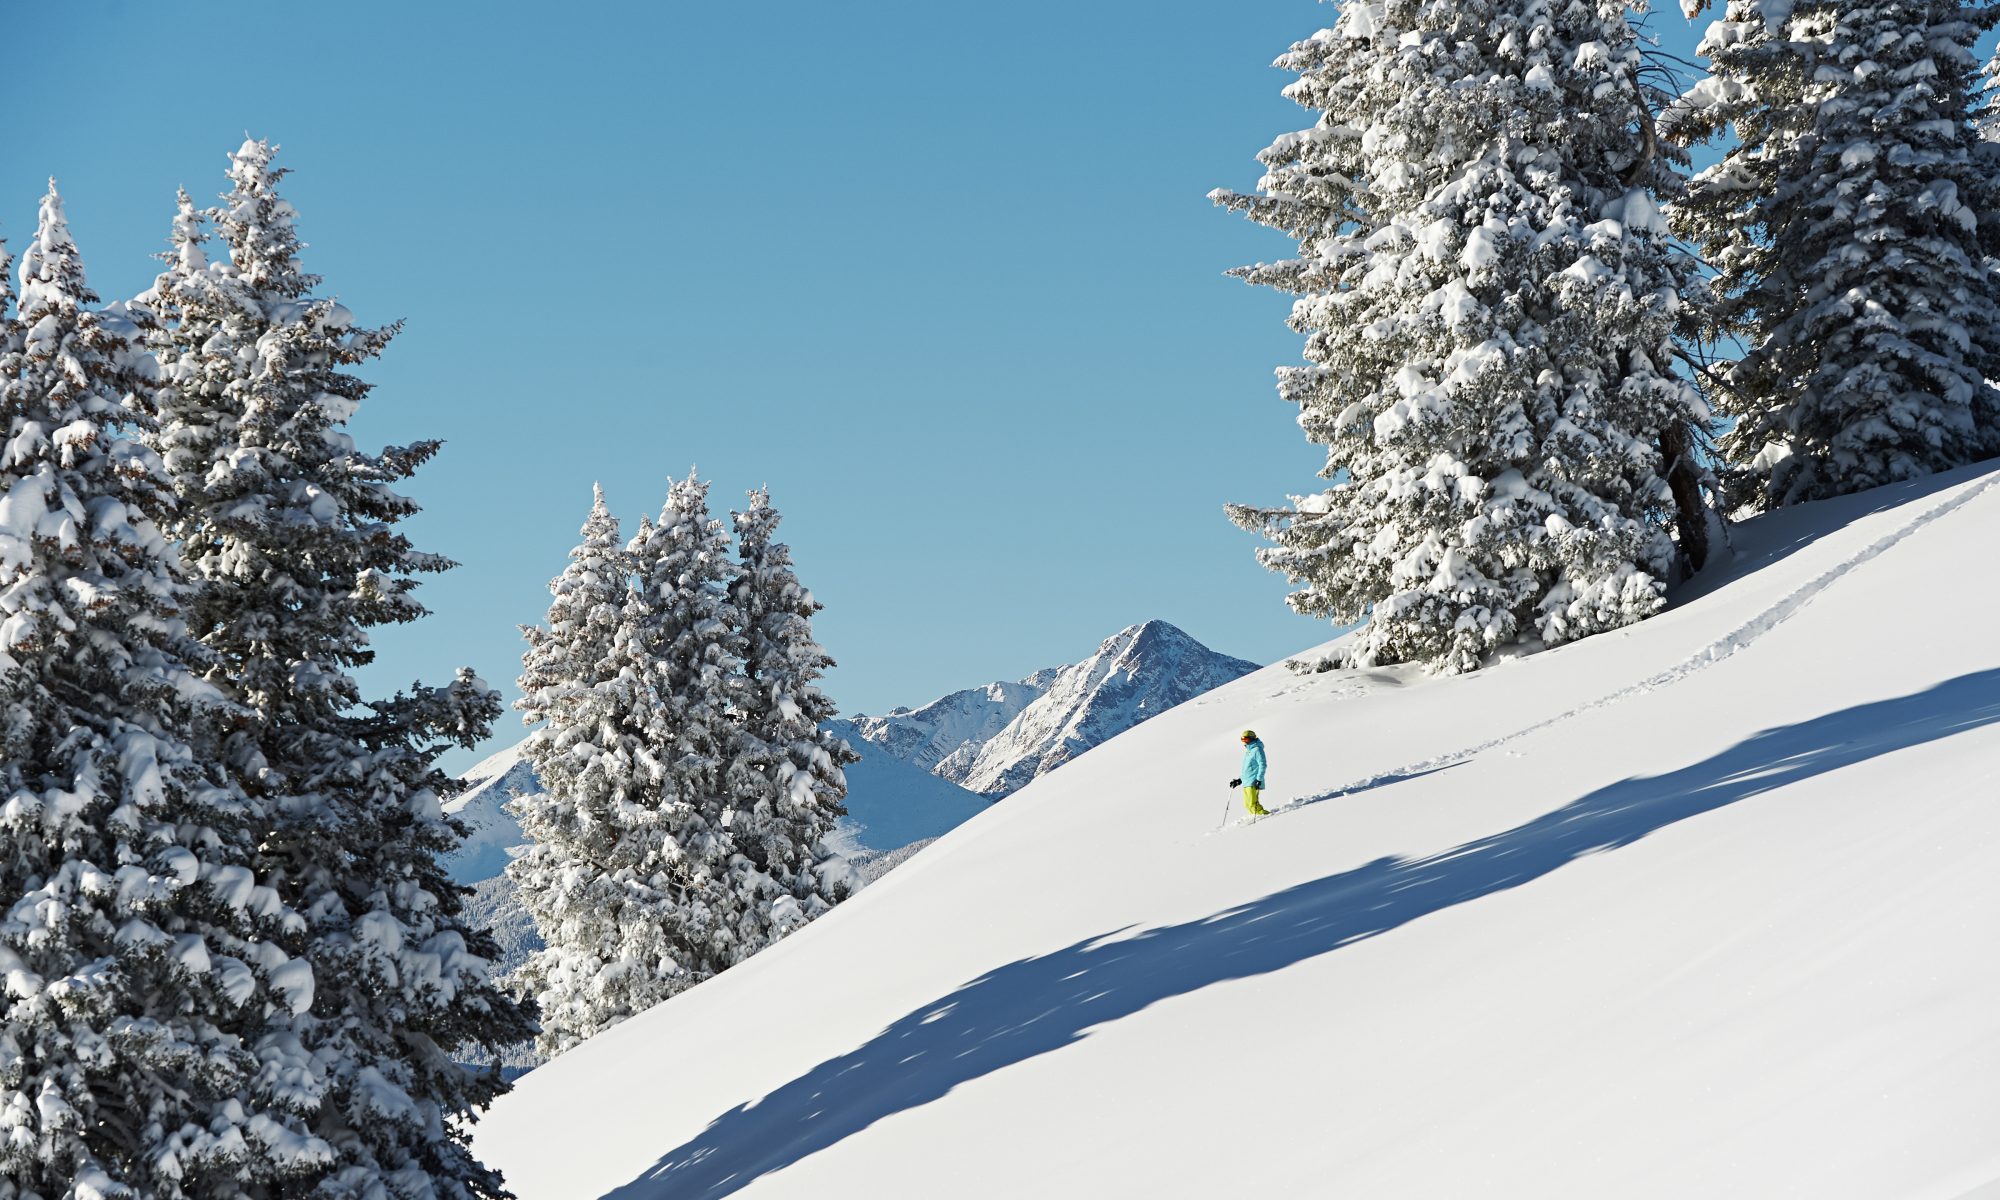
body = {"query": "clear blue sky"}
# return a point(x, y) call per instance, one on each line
point(941, 275)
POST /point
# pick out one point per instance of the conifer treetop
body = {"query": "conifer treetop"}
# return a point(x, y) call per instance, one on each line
point(292, 532)
point(146, 953)
point(258, 224)
point(1489, 299)
point(1850, 225)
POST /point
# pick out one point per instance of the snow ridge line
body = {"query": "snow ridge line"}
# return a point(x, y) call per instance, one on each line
point(1723, 647)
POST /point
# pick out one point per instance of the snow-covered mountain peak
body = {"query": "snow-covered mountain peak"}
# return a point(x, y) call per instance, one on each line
point(930, 735)
point(1139, 647)
point(1137, 673)
point(995, 738)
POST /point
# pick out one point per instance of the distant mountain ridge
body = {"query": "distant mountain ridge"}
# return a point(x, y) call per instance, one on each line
point(944, 736)
point(994, 740)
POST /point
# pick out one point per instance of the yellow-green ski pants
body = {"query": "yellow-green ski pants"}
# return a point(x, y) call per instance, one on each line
point(1251, 802)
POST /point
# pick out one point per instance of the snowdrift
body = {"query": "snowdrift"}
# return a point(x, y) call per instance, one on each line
point(1704, 908)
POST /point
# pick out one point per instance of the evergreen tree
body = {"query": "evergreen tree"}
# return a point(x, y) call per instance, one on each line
point(141, 951)
point(206, 330)
point(688, 787)
point(1850, 229)
point(784, 779)
point(569, 657)
point(1489, 301)
point(687, 635)
point(589, 887)
point(291, 530)
point(628, 874)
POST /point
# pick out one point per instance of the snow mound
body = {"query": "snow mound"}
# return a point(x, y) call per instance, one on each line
point(1703, 907)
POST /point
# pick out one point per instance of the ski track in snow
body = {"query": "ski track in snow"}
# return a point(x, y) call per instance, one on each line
point(1723, 647)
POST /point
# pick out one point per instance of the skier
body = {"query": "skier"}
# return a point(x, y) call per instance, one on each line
point(1252, 779)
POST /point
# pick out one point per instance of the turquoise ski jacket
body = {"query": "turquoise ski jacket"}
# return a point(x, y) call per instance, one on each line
point(1253, 765)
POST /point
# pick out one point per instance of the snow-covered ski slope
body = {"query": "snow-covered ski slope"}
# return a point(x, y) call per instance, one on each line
point(1710, 907)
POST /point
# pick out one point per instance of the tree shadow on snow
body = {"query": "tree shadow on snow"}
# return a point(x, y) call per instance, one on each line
point(1036, 1005)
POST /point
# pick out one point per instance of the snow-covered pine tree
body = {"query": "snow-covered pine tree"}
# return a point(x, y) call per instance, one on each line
point(1489, 301)
point(628, 876)
point(585, 678)
point(291, 531)
point(784, 779)
point(141, 950)
point(687, 632)
point(1845, 229)
point(573, 654)
point(205, 329)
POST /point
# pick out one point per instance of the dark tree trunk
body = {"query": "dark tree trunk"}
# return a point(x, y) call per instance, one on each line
point(1684, 477)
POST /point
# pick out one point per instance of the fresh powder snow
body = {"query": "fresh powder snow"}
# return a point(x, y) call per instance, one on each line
point(1701, 907)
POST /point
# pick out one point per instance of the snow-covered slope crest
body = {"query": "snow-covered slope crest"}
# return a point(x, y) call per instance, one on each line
point(1138, 673)
point(1705, 907)
point(994, 739)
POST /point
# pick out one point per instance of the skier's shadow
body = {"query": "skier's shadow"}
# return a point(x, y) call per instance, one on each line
point(1036, 1005)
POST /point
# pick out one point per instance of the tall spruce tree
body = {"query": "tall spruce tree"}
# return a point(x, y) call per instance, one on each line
point(629, 867)
point(683, 636)
point(687, 786)
point(596, 894)
point(1489, 302)
point(142, 952)
point(207, 328)
point(291, 530)
point(784, 778)
point(1851, 229)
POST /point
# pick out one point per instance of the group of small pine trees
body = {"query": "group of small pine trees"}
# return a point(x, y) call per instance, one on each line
point(688, 785)
point(1510, 340)
point(232, 966)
